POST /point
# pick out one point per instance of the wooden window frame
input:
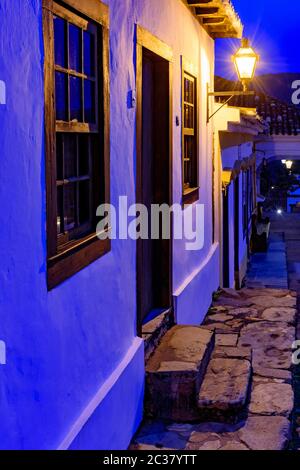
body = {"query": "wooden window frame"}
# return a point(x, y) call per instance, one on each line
point(64, 263)
point(190, 195)
point(245, 201)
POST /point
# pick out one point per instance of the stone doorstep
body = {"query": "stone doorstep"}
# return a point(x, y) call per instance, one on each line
point(224, 393)
point(154, 330)
point(175, 372)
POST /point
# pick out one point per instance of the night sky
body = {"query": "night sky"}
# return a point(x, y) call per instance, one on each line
point(273, 26)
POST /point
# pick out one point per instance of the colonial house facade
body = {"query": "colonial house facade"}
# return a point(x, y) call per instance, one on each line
point(236, 131)
point(106, 100)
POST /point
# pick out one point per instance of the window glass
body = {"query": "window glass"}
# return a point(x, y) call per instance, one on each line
point(75, 50)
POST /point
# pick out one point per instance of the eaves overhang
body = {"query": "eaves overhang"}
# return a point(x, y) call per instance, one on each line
point(218, 17)
point(230, 174)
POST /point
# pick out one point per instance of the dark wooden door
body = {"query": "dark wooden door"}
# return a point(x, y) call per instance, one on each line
point(237, 232)
point(153, 186)
point(225, 239)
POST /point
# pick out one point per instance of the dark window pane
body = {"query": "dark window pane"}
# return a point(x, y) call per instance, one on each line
point(59, 157)
point(70, 155)
point(83, 147)
point(60, 225)
point(89, 101)
point(61, 93)
point(84, 201)
point(89, 54)
point(188, 116)
point(188, 160)
point(188, 91)
point(69, 206)
point(75, 48)
point(75, 99)
point(60, 41)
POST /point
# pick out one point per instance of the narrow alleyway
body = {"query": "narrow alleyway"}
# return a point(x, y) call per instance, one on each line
point(245, 399)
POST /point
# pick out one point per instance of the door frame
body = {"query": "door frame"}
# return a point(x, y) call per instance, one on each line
point(146, 40)
point(226, 253)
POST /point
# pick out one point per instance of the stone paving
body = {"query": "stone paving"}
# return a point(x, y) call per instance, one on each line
point(269, 269)
point(263, 328)
point(257, 324)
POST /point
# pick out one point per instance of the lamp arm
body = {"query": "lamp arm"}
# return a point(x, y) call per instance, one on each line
point(219, 109)
point(229, 94)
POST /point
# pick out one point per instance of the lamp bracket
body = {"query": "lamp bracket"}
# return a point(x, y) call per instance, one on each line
point(229, 94)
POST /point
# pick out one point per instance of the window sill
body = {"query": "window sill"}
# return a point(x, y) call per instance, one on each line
point(190, 196)
point(75, 258)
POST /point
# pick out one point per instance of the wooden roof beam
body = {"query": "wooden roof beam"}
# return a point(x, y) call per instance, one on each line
point(207, 11)
point(195, 3)
point(214, 21)
point(218, 17)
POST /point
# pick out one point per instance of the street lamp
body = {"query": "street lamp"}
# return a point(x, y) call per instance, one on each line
point(245, 61)
point(289, 164)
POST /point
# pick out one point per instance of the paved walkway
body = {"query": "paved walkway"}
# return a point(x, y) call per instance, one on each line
point(269, 269)
point(289, 224)
point(263, 320)
point(257, 322)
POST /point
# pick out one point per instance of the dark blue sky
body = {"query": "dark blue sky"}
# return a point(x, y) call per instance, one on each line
point(273, 26)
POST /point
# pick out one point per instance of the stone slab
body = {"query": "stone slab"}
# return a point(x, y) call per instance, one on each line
point(175, 372)
point(270, 301)
point(265, 433)
point(181, 344)
point(219, 317)
point(286, 375)
point(230, 352)
point(263, 292)
point(272, 399)
point(267, 334)
point(226, 339)
point(280, 314)
point(224, 391)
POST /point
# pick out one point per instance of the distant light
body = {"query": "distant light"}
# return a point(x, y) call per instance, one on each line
point(272, 187)
point(283, 162)
point(279, 211)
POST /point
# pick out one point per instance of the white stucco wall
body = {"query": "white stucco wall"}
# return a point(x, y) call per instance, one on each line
point(229, 156)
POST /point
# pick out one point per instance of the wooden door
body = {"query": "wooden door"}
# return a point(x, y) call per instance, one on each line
point(225, 239)
point(237, 232)
point(153, 185)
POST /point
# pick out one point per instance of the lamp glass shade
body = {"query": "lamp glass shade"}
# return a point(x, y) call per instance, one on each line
point(289, 164)
point(245, 61)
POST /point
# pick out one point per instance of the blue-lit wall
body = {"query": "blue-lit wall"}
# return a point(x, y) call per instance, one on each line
point(64, 344)
point(75, 368)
